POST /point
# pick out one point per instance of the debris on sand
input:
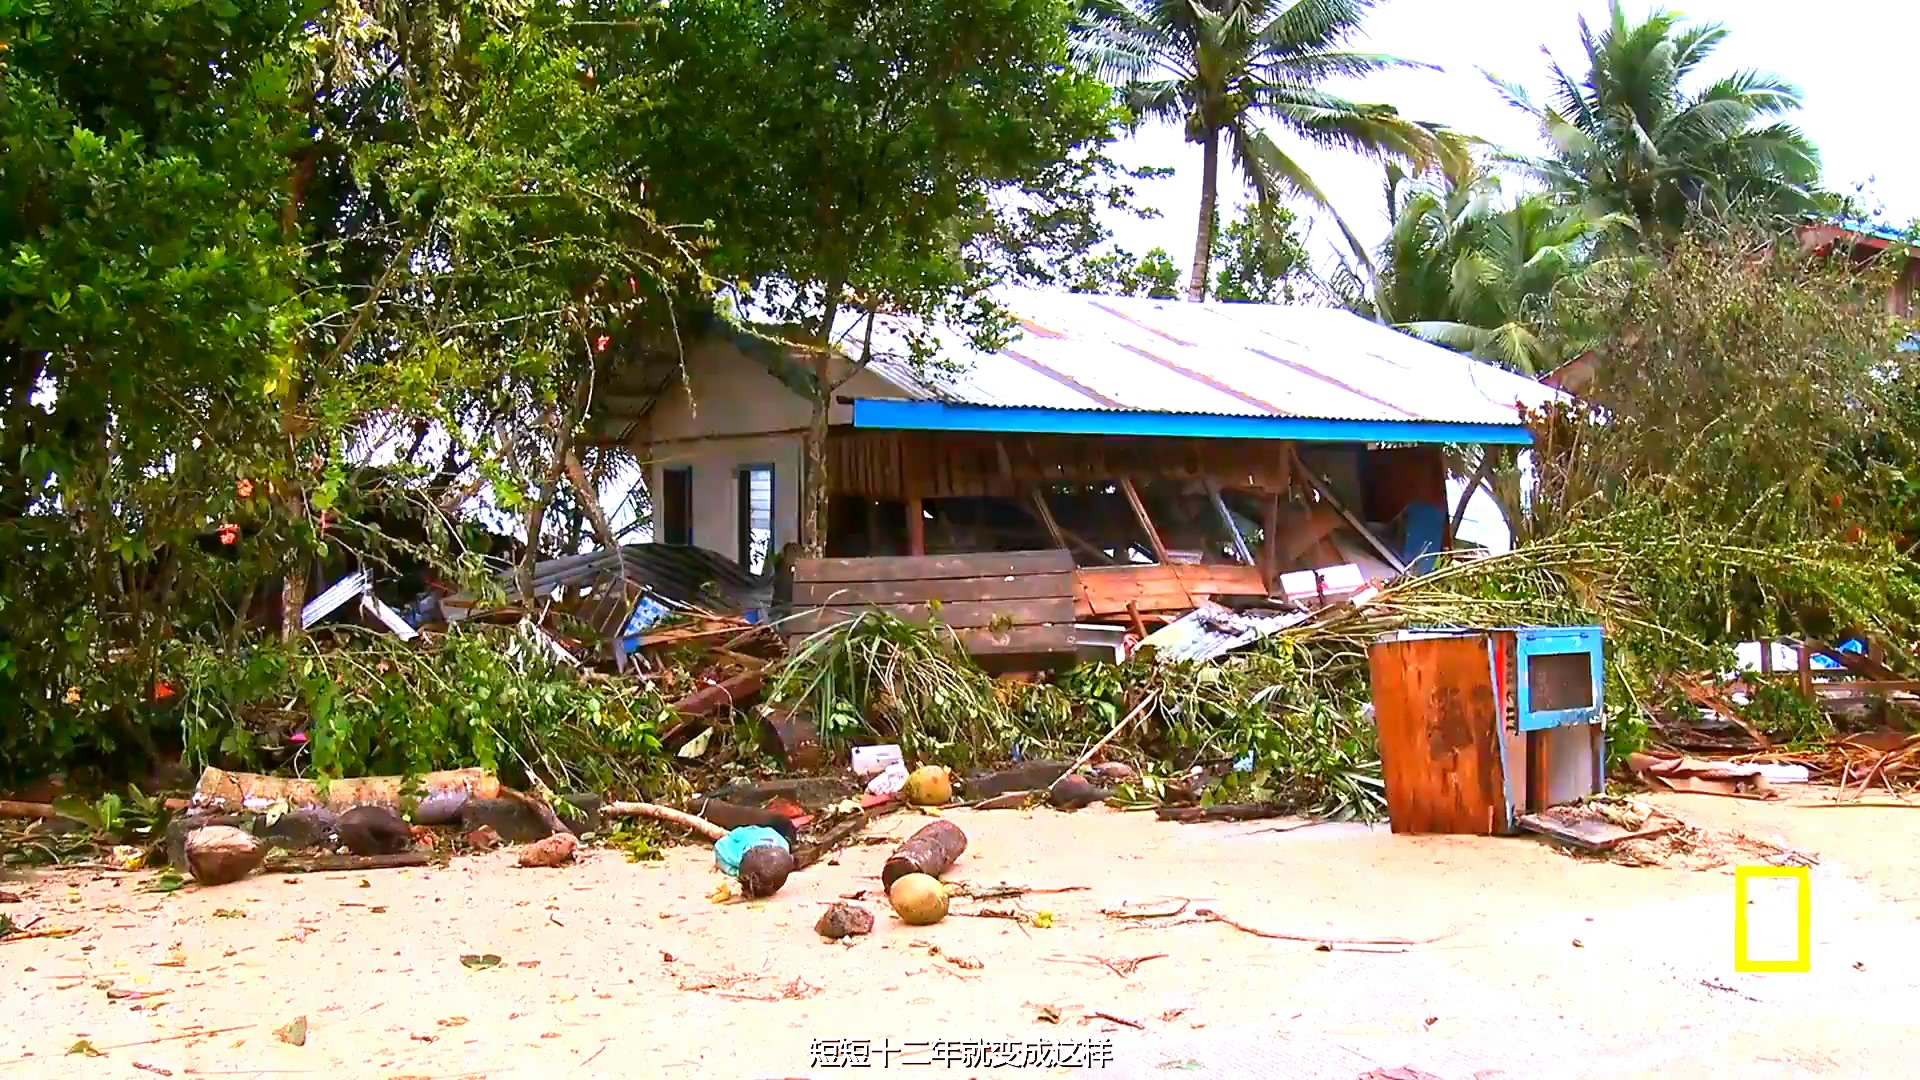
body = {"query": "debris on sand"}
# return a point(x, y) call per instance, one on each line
point(843, 920)
point(222, 854)
point(555, 850)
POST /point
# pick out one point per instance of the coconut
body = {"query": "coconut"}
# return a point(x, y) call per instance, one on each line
point(764, 868)
point(222, 854)
point(929, 785)
point(919, 899)
point(555, 850)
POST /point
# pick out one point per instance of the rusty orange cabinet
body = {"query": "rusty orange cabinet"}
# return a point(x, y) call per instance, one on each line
point(1478, 727)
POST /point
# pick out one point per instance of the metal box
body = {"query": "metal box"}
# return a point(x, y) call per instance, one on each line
point(1478, 727)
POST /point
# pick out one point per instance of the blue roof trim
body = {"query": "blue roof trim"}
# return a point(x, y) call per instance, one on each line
point(949, 416)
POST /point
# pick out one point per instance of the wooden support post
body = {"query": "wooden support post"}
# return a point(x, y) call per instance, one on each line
point(916, 527)
point(1766, 656)
point(1806, 669)
point(1045, 513)
point(1146, 523)
point(1270, 543)
point(1240, 549)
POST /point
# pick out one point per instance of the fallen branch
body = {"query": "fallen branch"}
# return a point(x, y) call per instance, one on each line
point(1122, 913)
point(322, 864)
point(1005, 892)
point(1318, 939)
point(1882, 804)
point(707, 829)
point(815, 850)
point(1221, 812)
point(1104, 740)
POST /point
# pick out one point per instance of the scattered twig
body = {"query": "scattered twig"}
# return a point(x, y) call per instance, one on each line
point(1122, 913)
point(1317, 939)
point(1005, 892)
point(1117, 1019)
point(1882, 804)
point(149, 1042)
point(51, 931)
point(1221, 812)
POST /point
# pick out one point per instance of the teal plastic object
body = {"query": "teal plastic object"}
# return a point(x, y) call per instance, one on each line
point(731, 848)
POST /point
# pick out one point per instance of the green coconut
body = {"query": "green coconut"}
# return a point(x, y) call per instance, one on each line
point(919, 899)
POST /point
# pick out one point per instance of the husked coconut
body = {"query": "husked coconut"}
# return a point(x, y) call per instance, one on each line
point(555, 850)
point(919, 899)
point(222, 854)
point(929, 785)
point(763, 869)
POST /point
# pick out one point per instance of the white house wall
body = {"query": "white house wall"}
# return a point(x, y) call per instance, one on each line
point(732, 414)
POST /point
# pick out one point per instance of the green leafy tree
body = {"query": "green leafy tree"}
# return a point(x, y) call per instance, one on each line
point(846, 157)
point(1638, 134)
point(1222, 68)
point(1119, 273)
point(1464, 267)
point(1260, 258)
point(245, 251)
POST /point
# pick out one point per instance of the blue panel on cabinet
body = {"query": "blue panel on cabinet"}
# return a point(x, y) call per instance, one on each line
point(1560, 677)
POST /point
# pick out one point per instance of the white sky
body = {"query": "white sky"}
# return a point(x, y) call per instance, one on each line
point(1846, 56)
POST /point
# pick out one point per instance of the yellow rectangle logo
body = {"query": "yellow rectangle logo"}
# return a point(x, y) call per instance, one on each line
point(1802, 961)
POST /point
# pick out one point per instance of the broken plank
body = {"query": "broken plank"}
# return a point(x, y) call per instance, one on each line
point(918, 568)
point(1591, 833)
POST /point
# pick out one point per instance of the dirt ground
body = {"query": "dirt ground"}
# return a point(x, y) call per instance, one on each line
point(1547, 965)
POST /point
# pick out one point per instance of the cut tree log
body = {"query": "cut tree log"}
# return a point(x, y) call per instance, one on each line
point(27, 811)
point(931, 851)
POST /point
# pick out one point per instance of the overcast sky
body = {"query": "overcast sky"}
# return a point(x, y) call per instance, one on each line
point(1846, 56)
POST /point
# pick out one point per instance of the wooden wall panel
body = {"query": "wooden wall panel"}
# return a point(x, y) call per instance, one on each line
point(1004, 603)
point(1104, 591)
point(1436, 709)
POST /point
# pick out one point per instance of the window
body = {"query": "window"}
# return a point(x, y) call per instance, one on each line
point(676, 506)
point(754, 522)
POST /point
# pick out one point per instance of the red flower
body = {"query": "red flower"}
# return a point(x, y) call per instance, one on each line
point(243, 487)
point(229, 533)
point(162, 690)
point(1834, 501)
point(600, 343)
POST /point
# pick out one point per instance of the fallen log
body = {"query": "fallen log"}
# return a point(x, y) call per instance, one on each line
point(931, 851)
point(323, 864)
point(1221, 812)
point(233, 791)
point(701, 826)
point(813, 851)
point(27, 811)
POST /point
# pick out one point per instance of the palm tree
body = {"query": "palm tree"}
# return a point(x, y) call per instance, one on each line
point(1220, 66)
point(1632, 138)
point(1462, 268)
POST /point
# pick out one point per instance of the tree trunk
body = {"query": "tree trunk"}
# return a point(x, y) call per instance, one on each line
point(293, 500)
point(813, 497)
point(1203, 232)
point(590, 501)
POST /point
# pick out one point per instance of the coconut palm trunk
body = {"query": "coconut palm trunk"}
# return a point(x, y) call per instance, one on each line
point(1203, 232)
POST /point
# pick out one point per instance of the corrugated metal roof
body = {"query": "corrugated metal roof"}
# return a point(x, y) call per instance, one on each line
point(1082, 351)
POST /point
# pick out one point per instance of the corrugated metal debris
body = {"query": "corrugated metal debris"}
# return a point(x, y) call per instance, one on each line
point(1082, 351)
point(355, 585)
point(1211, 631)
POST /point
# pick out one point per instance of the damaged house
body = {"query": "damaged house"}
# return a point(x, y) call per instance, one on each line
point(1120, 462)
